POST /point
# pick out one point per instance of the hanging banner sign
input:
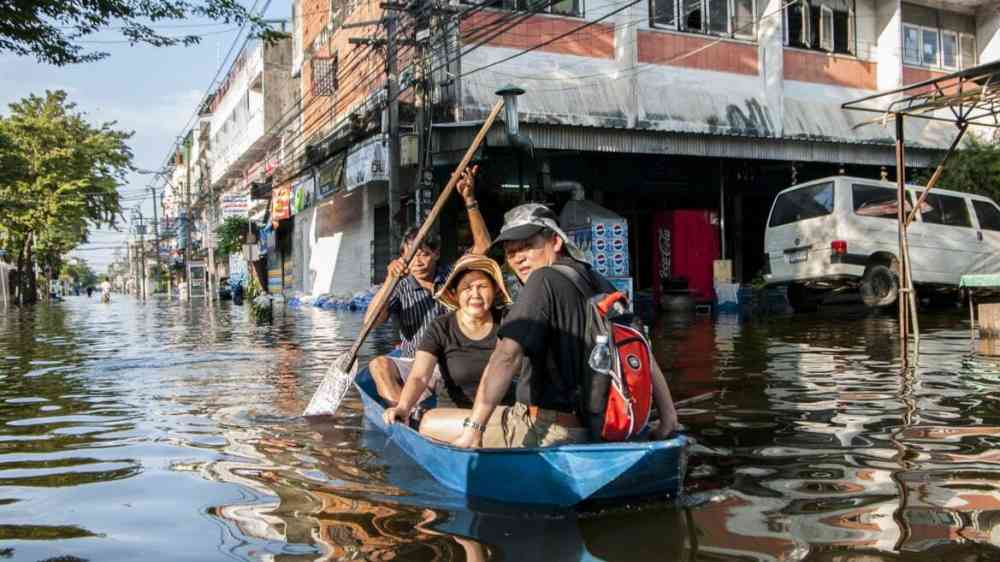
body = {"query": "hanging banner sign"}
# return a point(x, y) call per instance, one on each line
point(367, 162)
point(235, 205)
point(303, 191)
point(281, 207)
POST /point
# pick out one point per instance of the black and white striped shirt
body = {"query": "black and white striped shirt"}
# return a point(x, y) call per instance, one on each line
point(414, 307)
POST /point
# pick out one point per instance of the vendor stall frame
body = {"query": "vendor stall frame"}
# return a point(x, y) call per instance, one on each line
point(970, 97)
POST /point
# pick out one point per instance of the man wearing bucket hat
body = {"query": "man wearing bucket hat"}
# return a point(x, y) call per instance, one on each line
point(544, 333)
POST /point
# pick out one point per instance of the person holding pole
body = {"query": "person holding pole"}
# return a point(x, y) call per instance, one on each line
point(412, 304)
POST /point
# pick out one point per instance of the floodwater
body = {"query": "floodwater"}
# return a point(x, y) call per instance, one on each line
point(171, 432)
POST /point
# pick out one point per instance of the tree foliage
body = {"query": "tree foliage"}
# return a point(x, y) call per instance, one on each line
point(52, 30)
point(231, 234)
point(79, 271)
point(973, 169)
point(63, 180)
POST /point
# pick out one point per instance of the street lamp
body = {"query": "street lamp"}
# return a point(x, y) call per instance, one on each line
point(521, 143)
point(510, 93)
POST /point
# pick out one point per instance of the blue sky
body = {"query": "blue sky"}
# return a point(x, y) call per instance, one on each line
point(151, 91)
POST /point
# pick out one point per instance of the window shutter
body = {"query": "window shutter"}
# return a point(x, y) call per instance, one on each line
point(826, 28)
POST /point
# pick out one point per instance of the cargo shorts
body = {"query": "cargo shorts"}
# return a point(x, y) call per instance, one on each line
point(512, 426)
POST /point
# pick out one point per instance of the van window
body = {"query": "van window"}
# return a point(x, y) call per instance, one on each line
point(946, 209)
point(877, 201)
point(804, 203)
point(988, 214)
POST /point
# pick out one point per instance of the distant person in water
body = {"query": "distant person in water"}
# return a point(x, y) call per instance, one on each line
point(412, 304)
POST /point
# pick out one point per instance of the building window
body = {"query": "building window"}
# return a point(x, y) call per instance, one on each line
point(968, 46)
point(949, 49)
point(935, 48)
point(726, 18)
point(823, 25)
point(573, 8)
point(324, 76)
point(930, 49)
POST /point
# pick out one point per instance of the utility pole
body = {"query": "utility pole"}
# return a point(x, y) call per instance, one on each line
point(142, 254)
point(187, 219)
point(392, 72)
point(211, 233)
point(170, 275)
point(156, 234)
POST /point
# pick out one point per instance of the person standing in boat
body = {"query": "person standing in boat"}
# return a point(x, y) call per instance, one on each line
point(412, 304)
point(458, 343)
point(543, 332)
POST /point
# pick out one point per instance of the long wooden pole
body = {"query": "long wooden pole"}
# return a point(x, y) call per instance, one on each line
point(422, 233)
point(900, 218)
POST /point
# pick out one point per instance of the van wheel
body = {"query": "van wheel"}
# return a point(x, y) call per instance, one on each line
point(879, 286)
point(802, 299)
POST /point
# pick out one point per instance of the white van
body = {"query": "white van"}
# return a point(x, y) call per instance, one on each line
point(840, 233)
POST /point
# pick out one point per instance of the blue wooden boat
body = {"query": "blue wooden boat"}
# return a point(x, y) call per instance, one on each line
point(560, 476)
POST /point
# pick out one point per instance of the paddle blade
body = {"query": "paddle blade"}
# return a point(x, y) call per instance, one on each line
point(331, 392)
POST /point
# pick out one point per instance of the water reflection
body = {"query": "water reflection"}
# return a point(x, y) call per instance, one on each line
point(173, 433)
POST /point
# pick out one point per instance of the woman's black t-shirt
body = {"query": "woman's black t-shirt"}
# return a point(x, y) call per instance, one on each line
point(462, 360)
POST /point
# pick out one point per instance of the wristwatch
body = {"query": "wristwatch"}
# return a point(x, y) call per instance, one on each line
point(473, 205)
point(474, 425)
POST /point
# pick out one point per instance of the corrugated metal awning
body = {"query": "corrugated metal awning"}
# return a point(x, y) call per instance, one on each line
point(451, 141)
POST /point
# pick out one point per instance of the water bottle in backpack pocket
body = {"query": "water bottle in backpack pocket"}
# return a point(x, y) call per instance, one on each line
point(617, 385)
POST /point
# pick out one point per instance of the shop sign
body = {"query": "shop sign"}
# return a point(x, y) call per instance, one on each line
point(235, 205)
point(331, 176)
point(367, 162)
point(281, 207)
point(302, 194)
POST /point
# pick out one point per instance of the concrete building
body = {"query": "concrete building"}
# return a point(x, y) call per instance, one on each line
point(651, 107)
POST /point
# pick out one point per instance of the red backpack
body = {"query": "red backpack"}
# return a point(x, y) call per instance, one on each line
point(615, 404)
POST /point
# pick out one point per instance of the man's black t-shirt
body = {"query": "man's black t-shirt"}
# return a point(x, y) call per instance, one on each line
point(548, 321)
point(461, 360)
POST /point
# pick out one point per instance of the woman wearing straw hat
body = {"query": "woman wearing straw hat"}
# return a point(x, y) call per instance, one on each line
point(460, 342)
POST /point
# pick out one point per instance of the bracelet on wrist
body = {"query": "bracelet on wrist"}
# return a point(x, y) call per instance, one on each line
point(473, 205)
point(469, 422)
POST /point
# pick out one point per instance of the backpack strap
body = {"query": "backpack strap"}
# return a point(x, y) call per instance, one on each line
point(585, 286)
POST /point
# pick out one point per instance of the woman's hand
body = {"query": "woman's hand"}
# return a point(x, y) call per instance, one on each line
point(396, 413)
point(465, 185)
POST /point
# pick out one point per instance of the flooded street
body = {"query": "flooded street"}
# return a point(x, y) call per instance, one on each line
point(168, 432)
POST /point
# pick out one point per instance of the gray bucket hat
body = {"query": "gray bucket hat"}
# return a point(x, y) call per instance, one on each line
point(527, 220)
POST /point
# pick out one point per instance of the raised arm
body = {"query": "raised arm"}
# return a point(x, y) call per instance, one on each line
point(504, 363)
point(480, 234)
point(416, 384)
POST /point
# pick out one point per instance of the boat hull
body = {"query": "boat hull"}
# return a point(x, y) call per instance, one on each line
point(560, 476)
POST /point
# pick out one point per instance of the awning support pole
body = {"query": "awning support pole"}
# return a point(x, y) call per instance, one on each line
point(908, 298)
point(900, 199)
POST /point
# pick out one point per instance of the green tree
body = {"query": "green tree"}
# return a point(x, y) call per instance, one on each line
point(52, 30)
point(65, 178)
point(79, 271)
point(230, 235)
point(973, 169)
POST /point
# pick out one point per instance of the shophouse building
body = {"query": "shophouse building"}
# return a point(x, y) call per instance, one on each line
point(646, 107)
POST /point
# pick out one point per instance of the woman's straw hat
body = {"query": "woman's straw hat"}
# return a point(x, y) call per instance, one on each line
point(472, 262)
